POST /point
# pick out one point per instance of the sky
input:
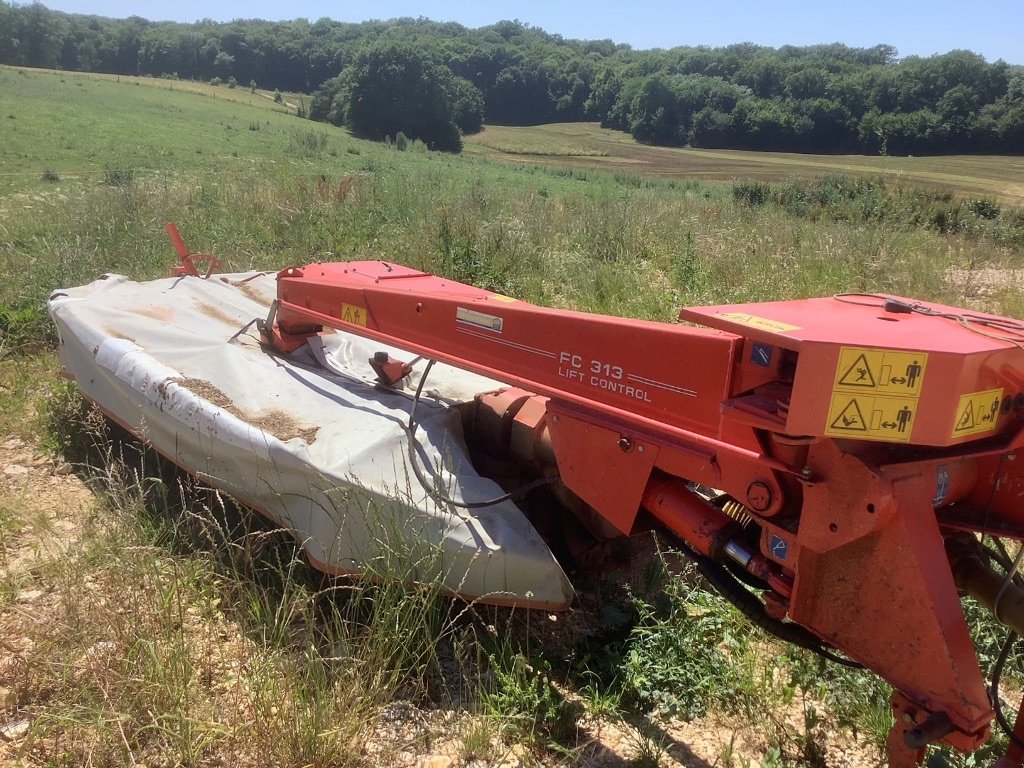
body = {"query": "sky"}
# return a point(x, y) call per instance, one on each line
point(995, 28)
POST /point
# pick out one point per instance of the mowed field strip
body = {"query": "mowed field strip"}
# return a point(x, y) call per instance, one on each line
point(590, 146)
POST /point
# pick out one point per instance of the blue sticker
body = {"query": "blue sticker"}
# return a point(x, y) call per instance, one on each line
point(761, 354)
point(780, 549)
point(941, 486)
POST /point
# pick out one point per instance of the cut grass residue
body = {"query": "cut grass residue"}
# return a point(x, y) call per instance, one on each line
point(510, 141)
point(1001, 177)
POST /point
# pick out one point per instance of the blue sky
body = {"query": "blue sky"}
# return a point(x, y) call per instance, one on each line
point(994, 29)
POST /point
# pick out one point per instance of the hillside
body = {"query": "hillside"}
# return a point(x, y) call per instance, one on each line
point(828, 98)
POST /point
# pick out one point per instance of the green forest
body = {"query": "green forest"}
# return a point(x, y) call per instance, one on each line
point(439, 81)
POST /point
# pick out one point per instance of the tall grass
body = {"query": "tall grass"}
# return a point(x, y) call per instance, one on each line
point(606, 248)
point(184, 631)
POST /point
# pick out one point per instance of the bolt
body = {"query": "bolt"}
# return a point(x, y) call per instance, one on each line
point(759, 496)
point(806, 473)
point(625, 444)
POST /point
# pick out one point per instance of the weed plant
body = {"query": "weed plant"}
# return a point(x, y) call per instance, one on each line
point(875, 201)
point(685, 655)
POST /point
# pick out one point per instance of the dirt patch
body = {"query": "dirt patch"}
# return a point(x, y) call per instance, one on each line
point(37, 489)
point(214, 313)
point(258, 296)
point(114, 334)
point(277, 423)
point(43, 507)
point(160, 314)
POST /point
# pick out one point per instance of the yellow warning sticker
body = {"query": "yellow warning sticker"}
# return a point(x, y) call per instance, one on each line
point(758, 322)
point(501, 297)
point(351, 313)
point(880, 372)
point(871, 417)
point(977, 412)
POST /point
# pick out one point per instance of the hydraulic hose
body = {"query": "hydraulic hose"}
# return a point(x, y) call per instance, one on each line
point(753, 609)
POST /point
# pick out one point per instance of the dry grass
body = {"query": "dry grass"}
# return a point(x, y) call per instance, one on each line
point(165, 627)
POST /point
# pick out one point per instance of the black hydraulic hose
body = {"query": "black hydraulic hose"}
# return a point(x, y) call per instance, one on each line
point(993, 690)
point(737, 571)
point(1002, 557)
point(433, 489)
point(751, 606)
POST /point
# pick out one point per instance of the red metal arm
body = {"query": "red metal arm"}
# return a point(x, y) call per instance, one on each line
point(857, 435)
point(187, 260)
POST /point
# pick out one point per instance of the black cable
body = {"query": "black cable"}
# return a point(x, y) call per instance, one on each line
point(993, 690)
point(1006, 330)
point(1002, 557)
point(847, 298)
point(998, 553)
point(432, 488)
point(751, 606)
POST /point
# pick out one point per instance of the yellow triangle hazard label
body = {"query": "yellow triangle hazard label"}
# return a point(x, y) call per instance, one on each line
point(966, 420)
point(351, 313)
point(979, 412)
point(858, 374)
point(850, 419)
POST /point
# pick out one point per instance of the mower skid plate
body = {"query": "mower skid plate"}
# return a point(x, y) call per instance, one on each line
point(309, 439)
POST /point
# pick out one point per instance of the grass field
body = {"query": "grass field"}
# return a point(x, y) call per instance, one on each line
point(589, 145)
point(51, 122)
point(146, 622)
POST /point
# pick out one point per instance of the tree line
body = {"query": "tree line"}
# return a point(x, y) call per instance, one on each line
point(437, 81)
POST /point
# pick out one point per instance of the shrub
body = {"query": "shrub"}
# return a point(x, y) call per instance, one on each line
point(24, 327)
point(307, 142)
point(752, 193)
point(984, 208)
point(118, 177)
point(527, 699)
point(680, 656)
